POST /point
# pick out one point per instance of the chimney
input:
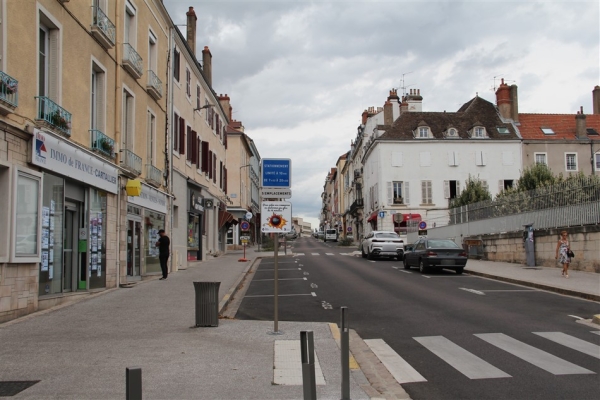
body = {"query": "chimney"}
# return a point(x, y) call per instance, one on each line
point(596, 100)
point(207, 65)
point(503, 100)
point(514, 107)
point(580, 130)
point(191, 29)
point(365, 116)
point(388, 113)
point(403, 105)
point(414, 100)
point(226, 104)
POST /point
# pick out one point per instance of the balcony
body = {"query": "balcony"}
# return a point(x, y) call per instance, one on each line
point(53, 116)
point(131, 162)
point(102, 143)
point(153, 175)
point(154, 85)
point(103, 29)
point(132, 61)
point(356, 206)
point(9, 93)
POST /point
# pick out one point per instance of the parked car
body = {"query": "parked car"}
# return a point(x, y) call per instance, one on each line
point(382, 244)
point(321, 235)
point(435, 254)
point(291, 235)
point(331, 234)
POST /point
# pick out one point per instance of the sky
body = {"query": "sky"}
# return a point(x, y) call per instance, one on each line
point(300, 73)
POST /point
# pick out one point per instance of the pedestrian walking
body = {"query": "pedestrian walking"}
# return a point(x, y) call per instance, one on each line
point(163, 244)
point(562, 253)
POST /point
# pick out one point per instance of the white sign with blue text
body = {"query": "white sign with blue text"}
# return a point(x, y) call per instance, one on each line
point(276, 173)
point(50, 152)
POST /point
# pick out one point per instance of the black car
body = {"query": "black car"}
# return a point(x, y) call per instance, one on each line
point(435, 254)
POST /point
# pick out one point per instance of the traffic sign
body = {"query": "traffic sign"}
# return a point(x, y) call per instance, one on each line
point(276, 173)
point(381, 214)
point(248, 215)
point(244, 225)
point(276, 193)
point(349, 229)
point(245, 237)
point(276, 216)
point(422, 225)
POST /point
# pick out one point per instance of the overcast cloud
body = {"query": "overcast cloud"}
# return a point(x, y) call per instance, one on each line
point(300, 73)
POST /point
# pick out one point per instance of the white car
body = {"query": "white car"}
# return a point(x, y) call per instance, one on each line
point(382, 244)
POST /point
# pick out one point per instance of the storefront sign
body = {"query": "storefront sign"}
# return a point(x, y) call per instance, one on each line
point(50, 152)
point(150, 198)
point(195, 204)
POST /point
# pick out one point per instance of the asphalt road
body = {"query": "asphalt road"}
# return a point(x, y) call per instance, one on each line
point(512, 343)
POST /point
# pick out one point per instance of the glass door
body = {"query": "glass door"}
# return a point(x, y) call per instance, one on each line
point(70, 250)
point(134, 229)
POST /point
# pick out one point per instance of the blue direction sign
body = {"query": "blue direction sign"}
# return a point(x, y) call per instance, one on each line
point(276, 173)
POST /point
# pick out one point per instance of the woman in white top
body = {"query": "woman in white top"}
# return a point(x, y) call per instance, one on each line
point(562, 249)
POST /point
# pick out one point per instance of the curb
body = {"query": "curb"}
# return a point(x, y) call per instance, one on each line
point(233, 289)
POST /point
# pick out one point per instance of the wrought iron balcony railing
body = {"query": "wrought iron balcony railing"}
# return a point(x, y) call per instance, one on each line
point(103, 29)
point(153, 175)
point(9, 91)
point(131, 161)
point(154, 85)
point(102, 143)
point(132, 61)
point(53, 115)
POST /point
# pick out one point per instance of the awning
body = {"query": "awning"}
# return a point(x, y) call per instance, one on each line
point(411, 217)
point(372, 216)
point(226, 219)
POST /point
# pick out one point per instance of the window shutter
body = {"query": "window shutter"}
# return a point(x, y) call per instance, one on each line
point(210, 161)
point(53, 63)
point(130, 113)
point(396, 159)
point(101, 101)
point(453, 158)
point(190, 144)
point(406, 192)
point(204, 166)
point(214, 168)
point(483, 158)
point(181, 136)
point(221, 174)
point(225, 180)
point(175, 131)
point(390, 193)
point(446, 189)
point(225, 137)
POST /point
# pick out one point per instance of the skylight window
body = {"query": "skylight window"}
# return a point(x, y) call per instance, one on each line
point(503, 130)
point(547, 131)
point(591, 132)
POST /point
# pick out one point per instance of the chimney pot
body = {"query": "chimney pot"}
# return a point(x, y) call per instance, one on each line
point(191, 29)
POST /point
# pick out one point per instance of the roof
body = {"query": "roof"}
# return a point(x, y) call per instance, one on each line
point(563, 126)
point(476, 112)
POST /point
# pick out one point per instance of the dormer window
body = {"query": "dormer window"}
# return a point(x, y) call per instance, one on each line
point(451, 133)
point(423, 132)
point(478, 132)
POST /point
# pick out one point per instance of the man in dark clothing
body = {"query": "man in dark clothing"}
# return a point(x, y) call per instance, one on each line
point(163, 244)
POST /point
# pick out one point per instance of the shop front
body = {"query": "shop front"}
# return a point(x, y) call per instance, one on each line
point(78, 199)
point(146, 215)
point(195, 224)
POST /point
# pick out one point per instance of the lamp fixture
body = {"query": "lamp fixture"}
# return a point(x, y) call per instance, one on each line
point(204, 106)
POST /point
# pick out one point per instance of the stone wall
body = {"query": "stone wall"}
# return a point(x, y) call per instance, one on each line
point(509, 247)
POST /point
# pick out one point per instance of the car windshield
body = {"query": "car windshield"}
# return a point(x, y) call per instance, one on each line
point(442, 244)
point(331, 231)
point(387, 235)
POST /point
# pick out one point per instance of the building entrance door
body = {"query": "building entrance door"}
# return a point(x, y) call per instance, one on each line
point(134, 233)
point(70, 247)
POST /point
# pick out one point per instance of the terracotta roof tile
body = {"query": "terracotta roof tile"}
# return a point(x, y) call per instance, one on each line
point(563, 126)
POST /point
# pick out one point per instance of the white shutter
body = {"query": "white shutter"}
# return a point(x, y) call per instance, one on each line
point(425, 158)
point(396, 159)
point(406, 192)
point(483, 158)
point(423, 192)
point(101, 101)
point(446, 189)
point(451, 158)
point(457, 188)
point(390, 193)
point(507, 158)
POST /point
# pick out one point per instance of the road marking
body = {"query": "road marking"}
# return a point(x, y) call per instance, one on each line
point(283, 295)
point(279, 269)
point(279, 279)
point(575, 316)
point(465, 362)
point(572, 342)
point(537, 357)
point(398, 367)
point(406, 272)
point(329, 254)
point(314, 286)
point(596, 332)
point(511, 290)
point(299, 254)
point(472, 291)
point(426, 276)
point(287, 368)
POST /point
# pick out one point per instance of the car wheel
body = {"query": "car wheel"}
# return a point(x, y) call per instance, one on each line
point(370, 256)
point(405, 264)
point(362, 251)
point(459, 271)
point(422, 267)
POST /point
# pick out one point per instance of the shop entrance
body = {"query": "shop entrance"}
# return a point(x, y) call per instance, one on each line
point(134, 233)
point(74, 248)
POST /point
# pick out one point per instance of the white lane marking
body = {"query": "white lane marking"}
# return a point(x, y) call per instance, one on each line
point(287, 368)
point(283, 295)
point(394, 267)
point(511, 290)
point(465, 362)
point(398, 367)
point(472, 291)
point(299, 254)
point(425, 276)
point(535, 356)
point(406, 272)
point(329, 254)
point(596, 332)
point(278, 269)
point(279, 279)
point(314, 254)
point(314, 286)
point(575, 316)
point(572, 342)
point(313, 294)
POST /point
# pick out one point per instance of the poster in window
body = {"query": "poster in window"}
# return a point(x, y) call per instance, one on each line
point(94, 261)
point(45, 238)
point(45, 217)
point(52, 207)
point(94, 243)
point(52, 219)
point(94, 225)
point(50, 256)
point(44, 261)
point(99, 218)
point(51, 239)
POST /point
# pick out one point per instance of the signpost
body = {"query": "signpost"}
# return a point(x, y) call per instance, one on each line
point(244, 226)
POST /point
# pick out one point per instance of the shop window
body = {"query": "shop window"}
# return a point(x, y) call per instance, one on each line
point(27, 209)
point(153, 222)
point(97, 236)
point(193, 236)
point(51, 269)
point(5, 210)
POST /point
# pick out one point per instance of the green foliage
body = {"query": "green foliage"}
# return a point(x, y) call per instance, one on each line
point(536, 176)
point(474, 192)
point(346, 241)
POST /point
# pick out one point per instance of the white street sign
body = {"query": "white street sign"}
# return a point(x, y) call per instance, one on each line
point(276, 216)
point(276, 193)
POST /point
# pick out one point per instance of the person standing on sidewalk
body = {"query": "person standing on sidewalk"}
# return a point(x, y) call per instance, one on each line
point(562, 249)
point(163, 244)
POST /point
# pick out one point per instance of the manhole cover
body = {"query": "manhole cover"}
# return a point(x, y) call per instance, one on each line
point(11, 388)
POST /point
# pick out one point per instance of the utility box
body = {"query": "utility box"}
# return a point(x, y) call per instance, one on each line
point(207, 303)
point(528, 243)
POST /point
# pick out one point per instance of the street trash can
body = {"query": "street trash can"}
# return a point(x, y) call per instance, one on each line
point(207, 303)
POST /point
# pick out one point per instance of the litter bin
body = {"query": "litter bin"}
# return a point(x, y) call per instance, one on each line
point(207, 303)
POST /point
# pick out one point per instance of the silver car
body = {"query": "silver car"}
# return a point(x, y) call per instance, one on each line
point(382, 244)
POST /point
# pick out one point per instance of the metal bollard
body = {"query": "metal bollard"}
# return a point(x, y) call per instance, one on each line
point(307, 347)
point(133, 383)
point(345, 348)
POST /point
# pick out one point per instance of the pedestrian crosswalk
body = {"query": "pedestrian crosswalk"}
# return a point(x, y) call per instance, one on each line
point(474, 367)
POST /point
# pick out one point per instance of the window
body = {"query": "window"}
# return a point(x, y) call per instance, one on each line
point(175, 132)
point(130, 25)
point(451, 189)
point(198, 99)
point(423, 132)
point(547, 131)
point(152, 51)
point(571, 161)
point(151, 138)
point(480, 158)
point(98, 98)
point(426, 195)
point(504, 184)
point(452, 132)
point(128, 120)
point(27, 210)
point(5, 190)
point(188, 82)
point(176, 64)
point(597, 161)
point(502, 130)
point(425, 159)
point(540, 158)
point(453, 158)
point(479, 132)
point(48, 58)
point(396, 159)
point(398, 192)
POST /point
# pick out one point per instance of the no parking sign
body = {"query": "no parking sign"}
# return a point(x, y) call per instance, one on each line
point(244, 225)
point(422, 225)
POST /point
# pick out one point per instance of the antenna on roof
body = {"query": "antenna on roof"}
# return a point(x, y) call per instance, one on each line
point(499, 76)
point(403, 87)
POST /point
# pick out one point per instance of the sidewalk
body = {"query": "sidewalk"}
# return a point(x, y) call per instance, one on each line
point(81, 351)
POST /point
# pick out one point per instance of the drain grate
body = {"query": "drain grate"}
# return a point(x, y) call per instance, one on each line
point(11, 388)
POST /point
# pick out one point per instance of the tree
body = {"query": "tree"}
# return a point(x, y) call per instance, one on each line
point(536, 176)
point(474, 192)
